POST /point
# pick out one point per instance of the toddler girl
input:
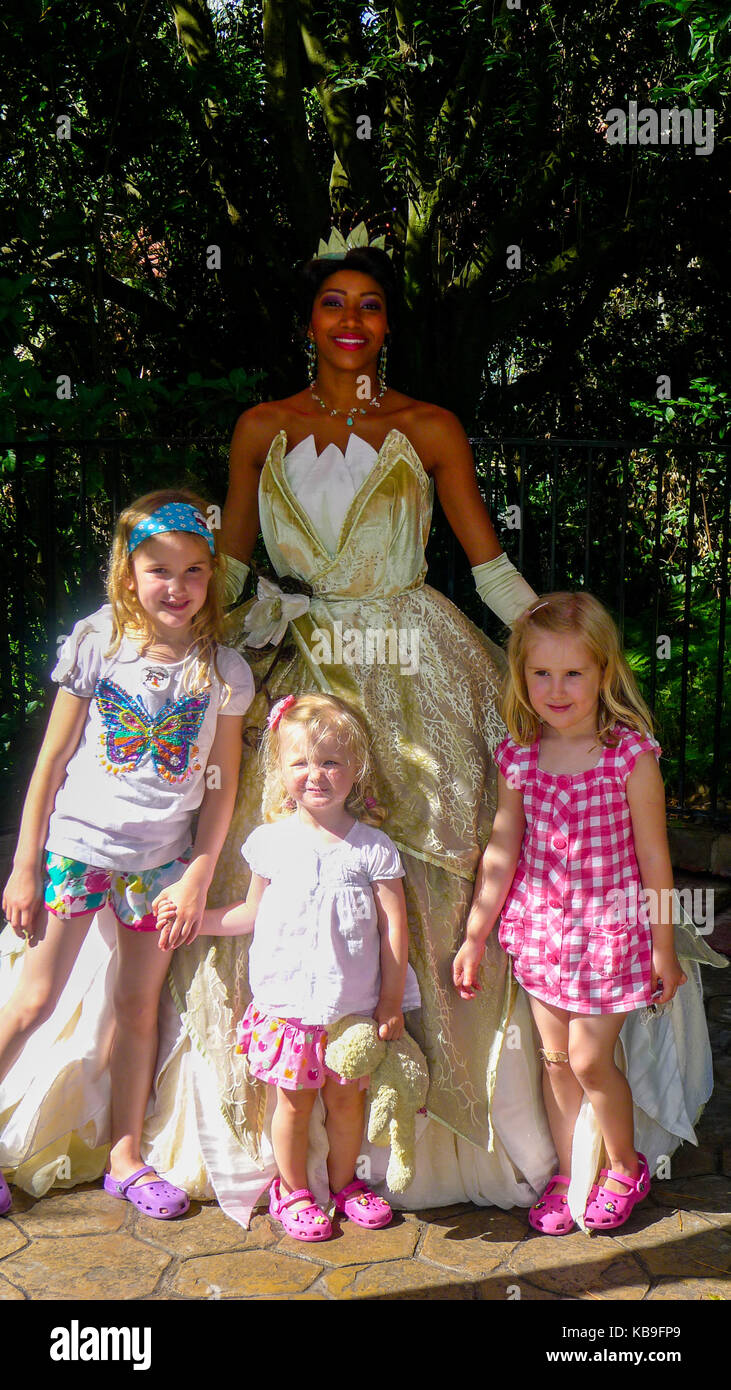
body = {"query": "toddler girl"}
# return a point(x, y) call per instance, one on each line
point(579, 857)
point(110, 806)
point(330, 940)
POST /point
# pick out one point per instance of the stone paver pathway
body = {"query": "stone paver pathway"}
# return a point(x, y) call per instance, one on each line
point(84, 1244)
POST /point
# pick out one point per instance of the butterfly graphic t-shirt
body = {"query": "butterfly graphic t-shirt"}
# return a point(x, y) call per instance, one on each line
point(138, 774)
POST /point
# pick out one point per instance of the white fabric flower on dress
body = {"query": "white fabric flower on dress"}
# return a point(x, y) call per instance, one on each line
point(267, 619)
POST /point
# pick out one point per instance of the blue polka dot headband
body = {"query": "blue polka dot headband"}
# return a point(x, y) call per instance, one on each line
point(174, 516)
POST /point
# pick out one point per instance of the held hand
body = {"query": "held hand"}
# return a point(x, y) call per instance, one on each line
point(466, 968)
point(667, 975)
point(390, 1021)
point(165, 914)
point(163, 907)
point(179, 913)
point(23, 902)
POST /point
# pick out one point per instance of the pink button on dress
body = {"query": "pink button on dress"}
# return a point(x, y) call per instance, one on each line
point(573, 920)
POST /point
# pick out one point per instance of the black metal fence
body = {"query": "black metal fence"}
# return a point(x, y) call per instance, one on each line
point(644, 526)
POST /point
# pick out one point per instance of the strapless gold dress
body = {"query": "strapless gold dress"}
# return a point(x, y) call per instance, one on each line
point(434, 726)
point(433, 729)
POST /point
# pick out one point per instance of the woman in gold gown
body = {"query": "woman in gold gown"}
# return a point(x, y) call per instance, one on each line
point(340, 479)
point(426, 679)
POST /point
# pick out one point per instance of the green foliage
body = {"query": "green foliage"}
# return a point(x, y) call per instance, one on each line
point(700, 695)
point(486, 133)
point(701, 34)
point(705, 416)
point(32, 405)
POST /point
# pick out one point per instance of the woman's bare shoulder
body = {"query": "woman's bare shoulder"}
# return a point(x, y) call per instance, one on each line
point(256, 428)
point(434, 432)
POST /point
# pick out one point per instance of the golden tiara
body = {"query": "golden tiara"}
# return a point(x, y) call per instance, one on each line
point(358, 239)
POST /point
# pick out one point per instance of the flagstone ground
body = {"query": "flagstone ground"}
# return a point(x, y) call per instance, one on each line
point(84, 1244)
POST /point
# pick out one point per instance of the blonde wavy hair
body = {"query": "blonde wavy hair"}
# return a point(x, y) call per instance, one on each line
point(320, 717)
point(129, 617)
point(582, 616)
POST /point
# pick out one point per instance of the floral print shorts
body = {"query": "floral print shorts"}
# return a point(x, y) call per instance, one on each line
point(286, 1052)
point(74, 888)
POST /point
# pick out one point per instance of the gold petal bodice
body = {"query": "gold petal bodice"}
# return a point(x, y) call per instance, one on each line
point(382, 540)
point(433, 724)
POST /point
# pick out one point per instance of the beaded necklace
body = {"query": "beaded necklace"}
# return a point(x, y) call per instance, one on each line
point(350, 415)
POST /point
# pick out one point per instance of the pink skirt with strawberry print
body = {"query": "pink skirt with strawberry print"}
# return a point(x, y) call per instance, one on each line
point(286, 1052)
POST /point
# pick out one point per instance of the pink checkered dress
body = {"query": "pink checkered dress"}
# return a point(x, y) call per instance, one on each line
point(573, 920)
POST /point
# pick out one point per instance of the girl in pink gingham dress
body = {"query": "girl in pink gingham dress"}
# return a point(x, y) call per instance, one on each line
point(578, 862)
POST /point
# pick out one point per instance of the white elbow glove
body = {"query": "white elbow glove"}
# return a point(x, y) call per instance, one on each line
point(232, 578)
point(502, 588)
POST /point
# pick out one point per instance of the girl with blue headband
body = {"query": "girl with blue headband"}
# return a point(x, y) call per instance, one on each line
point(149, 703)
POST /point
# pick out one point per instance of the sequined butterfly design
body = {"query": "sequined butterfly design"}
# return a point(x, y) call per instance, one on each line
point(131, 731)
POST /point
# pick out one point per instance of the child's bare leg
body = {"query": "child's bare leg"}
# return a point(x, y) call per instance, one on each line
point(562, 1092)
point(141, 970)
point(345, 1107)
point(290, 1138)
point(48, 962)
point(591, 1049)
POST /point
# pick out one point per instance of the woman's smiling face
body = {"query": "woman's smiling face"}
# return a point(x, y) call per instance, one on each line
point(349, 320)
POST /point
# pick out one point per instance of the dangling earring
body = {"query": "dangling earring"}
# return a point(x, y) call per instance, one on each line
point(290, 804)
point(311, 356)
point(382, 358)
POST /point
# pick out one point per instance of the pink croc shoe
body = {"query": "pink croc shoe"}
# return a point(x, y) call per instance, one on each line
point(605, 1210)
point(309, 1223)
point(362, 1206)
point(6, 1200)
point(550, 1214)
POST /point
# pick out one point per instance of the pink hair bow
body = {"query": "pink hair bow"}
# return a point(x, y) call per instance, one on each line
point(278, 709)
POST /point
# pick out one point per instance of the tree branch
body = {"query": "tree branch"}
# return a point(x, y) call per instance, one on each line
point(352, 168)
point(197, 36)
point(195, 30)
point(607, 247)
point(567, 342)
point(153, 313)
point(309, 207)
